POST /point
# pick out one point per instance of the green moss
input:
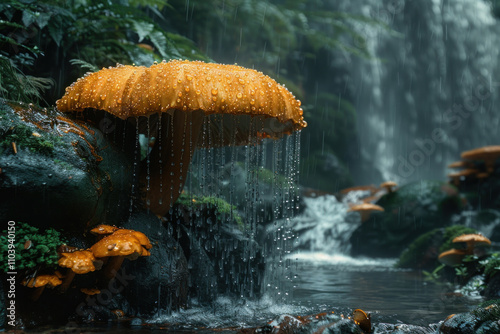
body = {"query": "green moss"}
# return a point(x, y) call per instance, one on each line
point(39, 252)
point(25, 136)
point(417, 249)
point(222, 207)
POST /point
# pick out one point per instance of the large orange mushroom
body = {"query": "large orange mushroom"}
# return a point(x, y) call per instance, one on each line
point(230, 104)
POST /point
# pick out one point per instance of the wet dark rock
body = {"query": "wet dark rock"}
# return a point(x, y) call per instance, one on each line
point(410, 211)
point(136, 322)
point(159, 281)
point(475, 321)
point(235, 258)
point(64, 175)
point(233, 186)
point(492, 290)
point(203, 278)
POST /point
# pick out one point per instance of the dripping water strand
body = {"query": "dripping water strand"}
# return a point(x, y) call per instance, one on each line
point(148, 165)
point(172, 158)
point(137, 158)
point(160, 162)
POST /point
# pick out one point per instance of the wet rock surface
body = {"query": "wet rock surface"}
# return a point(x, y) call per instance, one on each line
point(57, 173)
point(409, 212)
point(159, 281)
point(235, 264)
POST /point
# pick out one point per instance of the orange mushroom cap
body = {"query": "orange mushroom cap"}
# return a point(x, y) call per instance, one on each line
point(371, 188)
point(122, 244)
point(460, 164)
point(42, 280)
point(473, 240)
point(143, 239)
point(103, 229)
point(362, 319)
point(366, 207)
point(132, 91)
point(452, 257)
point(488, 154)
point(90, 291)
point(81, 262)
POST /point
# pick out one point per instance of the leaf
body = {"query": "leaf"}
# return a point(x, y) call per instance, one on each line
point(28, 18)
point(142, 28)
point(43, 19)
point(55, 30)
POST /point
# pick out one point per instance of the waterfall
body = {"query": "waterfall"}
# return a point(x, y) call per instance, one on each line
point(430, 90)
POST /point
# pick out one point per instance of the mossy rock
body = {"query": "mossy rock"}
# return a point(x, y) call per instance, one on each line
point(58, 173)
point(424, 251)
point(480, 320)
point(411, 211)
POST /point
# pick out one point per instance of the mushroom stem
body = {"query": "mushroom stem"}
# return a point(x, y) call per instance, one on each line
point(70, 274)
point(112, 267)
point(179, 137)
point(37, 293)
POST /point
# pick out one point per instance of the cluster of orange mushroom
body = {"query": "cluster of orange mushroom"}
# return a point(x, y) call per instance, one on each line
point(177, 102)
point(114, 245)
point(476, 164)
point(454, 256)
point(367, 205)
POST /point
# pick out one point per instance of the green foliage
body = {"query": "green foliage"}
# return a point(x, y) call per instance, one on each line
point(41, 253)
point(491, 265)
point(416, 249)
point(43, 36)
point(433, 276)
point(223, 208)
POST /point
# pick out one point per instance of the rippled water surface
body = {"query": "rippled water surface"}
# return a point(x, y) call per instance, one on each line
point(375, 286)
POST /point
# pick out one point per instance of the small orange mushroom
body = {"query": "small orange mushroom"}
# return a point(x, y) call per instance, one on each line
point(472, 240)
point(103, 230)
point(365, 209)
point(488, 154)
point(371, 188)
point(363, 320)
point(90, 291)
point(121, 244)
point(40, 282)
point(452, 257)
point(461, 164)
point(78, 262)
point(389, 186)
